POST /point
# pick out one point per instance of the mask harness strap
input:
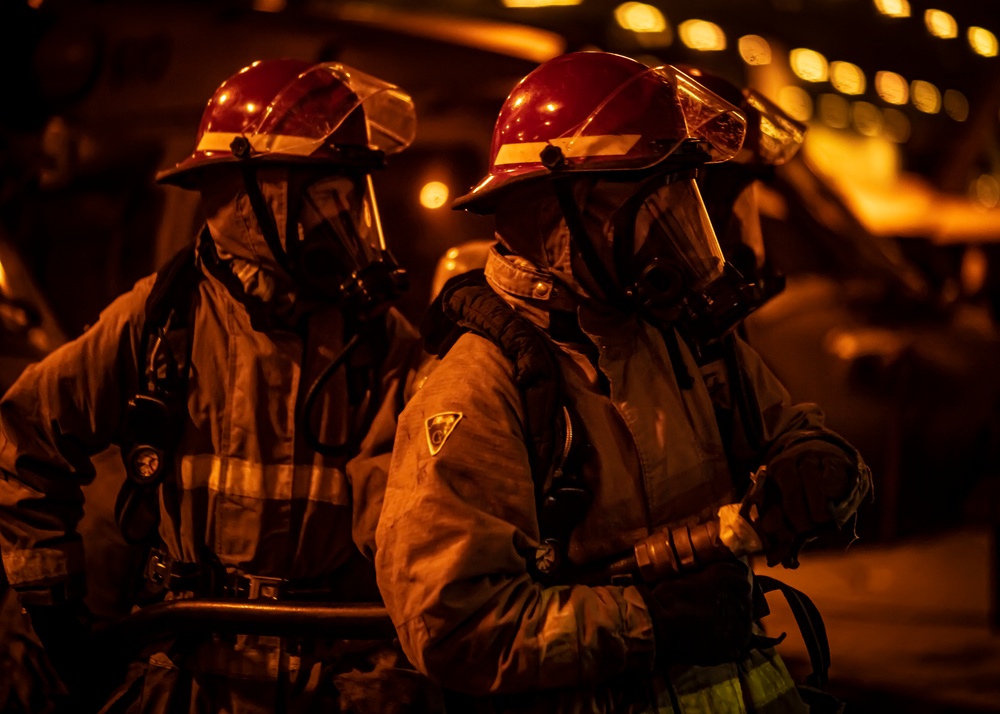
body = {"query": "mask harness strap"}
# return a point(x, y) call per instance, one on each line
point(554, 160)
point(242, 150)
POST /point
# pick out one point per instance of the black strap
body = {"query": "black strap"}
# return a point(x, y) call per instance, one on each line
point(467, 303)
point(810, 624)
point(151, 423)
point(563, 188)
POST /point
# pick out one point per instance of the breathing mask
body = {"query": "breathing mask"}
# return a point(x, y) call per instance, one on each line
point(668, 260)
point(336, 250)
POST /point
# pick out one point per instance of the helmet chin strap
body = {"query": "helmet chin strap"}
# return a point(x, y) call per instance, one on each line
point(563, 188)
point(265, 219)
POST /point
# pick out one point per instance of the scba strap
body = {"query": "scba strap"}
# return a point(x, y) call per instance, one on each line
point(810, 624)
point(468, 304)
point(151, 427)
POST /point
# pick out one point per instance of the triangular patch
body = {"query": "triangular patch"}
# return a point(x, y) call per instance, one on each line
point(439, 428)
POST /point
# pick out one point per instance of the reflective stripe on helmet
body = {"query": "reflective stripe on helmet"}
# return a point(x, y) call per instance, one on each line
point(572, 147)
point(262, 143)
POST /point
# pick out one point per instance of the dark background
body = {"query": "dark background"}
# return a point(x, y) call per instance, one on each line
point(890, 247)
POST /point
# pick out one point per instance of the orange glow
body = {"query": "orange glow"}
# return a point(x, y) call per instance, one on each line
point(539, 3)
point(982, 41)
point(702, 35)
point(433, 195)
point(941, 24)
point(833, 110)
point(640, 17)
point(754, 49)
point(808, 65)
point(269, 5)
point(956, 105)
point(987, 190)
point(866, 118)
point(897, 126)
point(892, 88)
point(847, 78)
point(925, 96)
point(797, 102)
point(893, 8)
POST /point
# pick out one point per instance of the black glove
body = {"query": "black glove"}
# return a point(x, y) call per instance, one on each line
point(809, 487)
point(704, 617)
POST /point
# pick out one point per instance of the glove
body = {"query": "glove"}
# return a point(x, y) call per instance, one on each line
point(809, 487)
point(704, 617)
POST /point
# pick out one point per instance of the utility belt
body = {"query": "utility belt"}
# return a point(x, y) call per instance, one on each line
point(163, 573)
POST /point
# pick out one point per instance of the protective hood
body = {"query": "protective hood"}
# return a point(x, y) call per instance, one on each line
point(239, 239)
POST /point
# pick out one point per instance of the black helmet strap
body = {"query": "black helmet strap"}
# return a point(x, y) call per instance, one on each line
point(265, 219)
point(563, 187)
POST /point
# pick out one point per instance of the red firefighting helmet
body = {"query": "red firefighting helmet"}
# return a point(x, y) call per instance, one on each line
point(773, 137)
point(604, 112)
point(291, 111)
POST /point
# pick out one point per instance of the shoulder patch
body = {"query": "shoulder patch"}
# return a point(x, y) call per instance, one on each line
point(439, 428)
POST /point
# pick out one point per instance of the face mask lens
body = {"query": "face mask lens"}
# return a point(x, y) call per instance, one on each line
point(672, 227)
point(338, 237)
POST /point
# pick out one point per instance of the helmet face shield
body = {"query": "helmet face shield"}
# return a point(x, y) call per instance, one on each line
point(596, 112)
point(777, 137)
point(672, 225)
point(307, 112)
point(293, 112)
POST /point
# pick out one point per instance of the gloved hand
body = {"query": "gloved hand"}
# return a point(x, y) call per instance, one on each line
point(704, 617)
point(808, 487)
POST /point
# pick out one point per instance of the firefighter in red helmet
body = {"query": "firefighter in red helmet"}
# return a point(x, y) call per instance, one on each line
point(253, 385)
point(594, 426)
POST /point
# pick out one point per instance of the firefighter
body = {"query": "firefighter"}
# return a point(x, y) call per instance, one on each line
point(253, 386)
point(591, 393)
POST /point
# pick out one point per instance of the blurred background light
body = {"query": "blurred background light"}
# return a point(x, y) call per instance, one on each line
point(433, 195)
point(269, 5)
point(893, 8)
point(539, 3)
point(648, 24)
point(925, 96)
point(702, 35)
point(956, 105)
point(987, 190)
point(640, 17)
point(941, 24)
point(892, 87)
point(847, 78)
point(796, 101)
point(808, 65)
point(834, 110)
point(983, 41)
point(754, 49)
point(897, 125)
point(866, 118)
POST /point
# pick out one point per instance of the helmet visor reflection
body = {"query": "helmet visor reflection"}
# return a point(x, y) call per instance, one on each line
point(672, 225)
point(314, 105)
point(339, 233)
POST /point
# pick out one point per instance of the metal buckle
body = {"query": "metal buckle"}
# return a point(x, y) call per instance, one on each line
point(261, 587)
point(158, 571)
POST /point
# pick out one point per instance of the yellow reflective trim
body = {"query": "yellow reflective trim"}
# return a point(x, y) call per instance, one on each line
point(766, 682)
point(572, 147)
point(261, 143)
point(247, 479)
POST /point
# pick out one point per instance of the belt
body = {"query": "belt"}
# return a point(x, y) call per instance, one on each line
point(165, 573)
